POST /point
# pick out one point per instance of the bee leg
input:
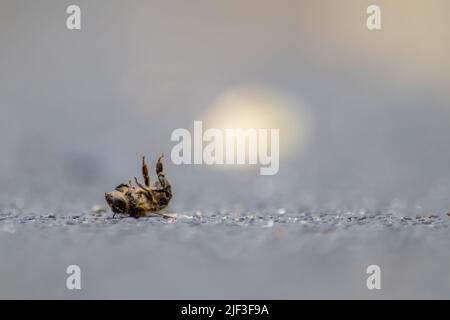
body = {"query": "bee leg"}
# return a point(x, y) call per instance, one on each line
point(160, 172)
point(165, 189)
point(145, 188)
point(145, 173)
point(169, 216)
point(159, 166)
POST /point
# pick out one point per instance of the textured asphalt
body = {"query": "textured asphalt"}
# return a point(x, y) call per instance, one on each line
point(274, 253)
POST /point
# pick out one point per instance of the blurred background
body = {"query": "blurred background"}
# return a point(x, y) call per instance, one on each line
point(79, 108)
point(364, 116)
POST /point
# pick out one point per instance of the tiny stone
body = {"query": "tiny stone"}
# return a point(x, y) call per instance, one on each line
point(98, 209)
point(198, 214)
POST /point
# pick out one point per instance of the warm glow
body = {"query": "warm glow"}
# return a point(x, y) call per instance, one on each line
point(261, 108)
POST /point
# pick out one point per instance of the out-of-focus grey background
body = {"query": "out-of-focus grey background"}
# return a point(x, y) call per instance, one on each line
point(79, 108)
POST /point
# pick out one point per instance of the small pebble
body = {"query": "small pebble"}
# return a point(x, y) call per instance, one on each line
point(198, 214)
point(98, 209)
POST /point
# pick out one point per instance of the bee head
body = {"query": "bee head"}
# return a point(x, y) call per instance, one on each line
point(117, 199)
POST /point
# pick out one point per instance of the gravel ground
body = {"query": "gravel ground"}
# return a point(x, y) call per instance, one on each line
point(268, 254)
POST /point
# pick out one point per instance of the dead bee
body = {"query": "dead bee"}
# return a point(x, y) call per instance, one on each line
point(141, 200)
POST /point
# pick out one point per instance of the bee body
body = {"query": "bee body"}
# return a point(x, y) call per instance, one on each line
point(141, 200)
